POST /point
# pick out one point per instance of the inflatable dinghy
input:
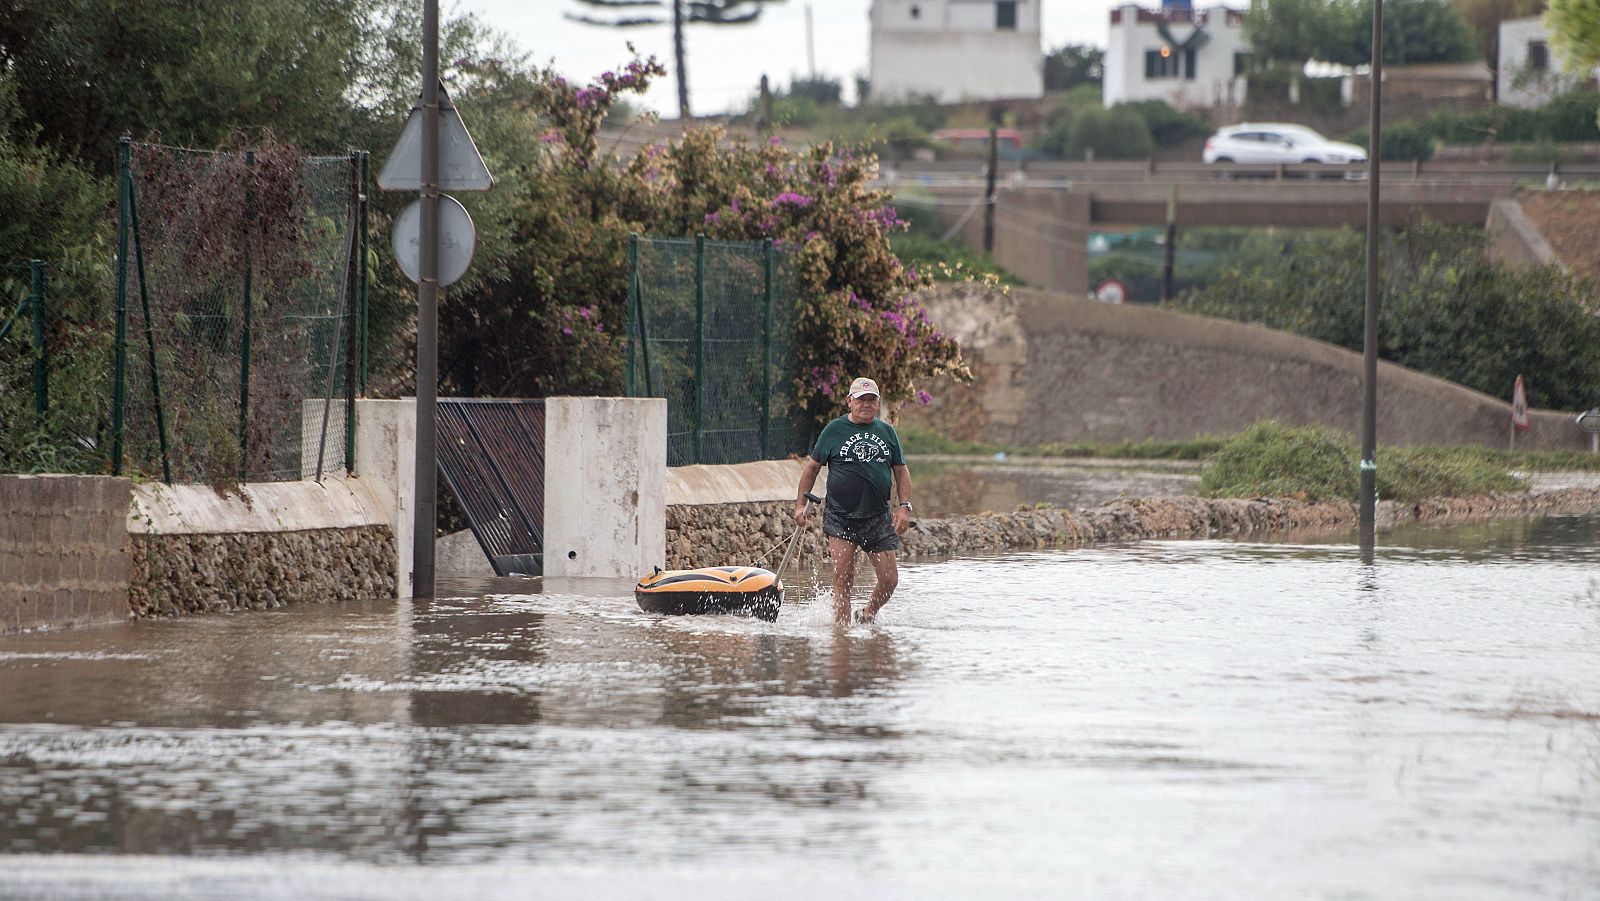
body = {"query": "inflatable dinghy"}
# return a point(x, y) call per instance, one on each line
point(715, 589)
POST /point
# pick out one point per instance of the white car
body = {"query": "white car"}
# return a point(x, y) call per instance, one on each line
point(1276, 142)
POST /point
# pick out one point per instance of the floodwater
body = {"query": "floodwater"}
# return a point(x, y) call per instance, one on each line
point(1201, 719)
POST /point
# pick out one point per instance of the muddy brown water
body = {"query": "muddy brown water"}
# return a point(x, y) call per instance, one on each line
point(1170, 719)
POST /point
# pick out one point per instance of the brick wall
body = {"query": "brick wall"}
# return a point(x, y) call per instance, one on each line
point(64, 551)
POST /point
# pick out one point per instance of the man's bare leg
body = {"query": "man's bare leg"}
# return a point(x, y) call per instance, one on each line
point(888, 572)
point(844, 576)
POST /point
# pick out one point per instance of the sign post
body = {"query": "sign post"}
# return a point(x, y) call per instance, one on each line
point(434, 151)
point(1519, 411)
point(1589, 421)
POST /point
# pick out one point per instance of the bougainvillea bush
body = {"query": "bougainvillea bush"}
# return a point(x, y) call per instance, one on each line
point(552, 320)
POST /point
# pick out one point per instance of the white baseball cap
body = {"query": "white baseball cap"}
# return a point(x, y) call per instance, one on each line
point(860, 387)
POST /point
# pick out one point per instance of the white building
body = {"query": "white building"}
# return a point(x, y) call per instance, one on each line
point(956, 50)
point(1529, 73)
point(1189, 58)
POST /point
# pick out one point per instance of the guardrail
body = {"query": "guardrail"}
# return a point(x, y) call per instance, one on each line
point(1055, 173)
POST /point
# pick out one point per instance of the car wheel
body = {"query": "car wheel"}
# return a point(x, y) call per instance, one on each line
point(1224, 160)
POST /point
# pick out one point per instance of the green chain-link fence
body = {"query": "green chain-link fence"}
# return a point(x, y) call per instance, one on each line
point(711, 328)
point(239, 312)
point(54, 346)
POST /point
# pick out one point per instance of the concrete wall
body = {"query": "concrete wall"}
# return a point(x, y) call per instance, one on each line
point(605, 486)
point(197, 550)
point(953, 51)
point(1134, 31)
point(64, 551)
point(1513, 240)
point(1051, 368)
point(386, 462)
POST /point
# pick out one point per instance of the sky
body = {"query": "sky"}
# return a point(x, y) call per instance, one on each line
point(726, 63)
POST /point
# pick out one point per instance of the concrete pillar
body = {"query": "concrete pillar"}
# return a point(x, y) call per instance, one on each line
point(605, 486)
point(386, 449)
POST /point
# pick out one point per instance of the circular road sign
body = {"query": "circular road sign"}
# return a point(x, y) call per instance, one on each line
point(457, 240)
point(1111, 291)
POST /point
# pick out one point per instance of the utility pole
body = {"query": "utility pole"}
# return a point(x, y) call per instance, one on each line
point(811, 47)
point(994, 166)
point(427, 471)
point(1369, 341)
point(1169, 250)
point(677, 48)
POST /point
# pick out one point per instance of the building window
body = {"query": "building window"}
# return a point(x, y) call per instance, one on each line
point(1161, 63)
point(1005, 15)
point(1538, 56)
point(1241, 64)
point(1188, 65)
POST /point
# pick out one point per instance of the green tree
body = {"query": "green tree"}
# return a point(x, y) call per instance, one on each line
point(1071, 65)
point(1340, 31)
point(1447, 311)
point(87, 71)
point(682, 14)
point(1575, 34)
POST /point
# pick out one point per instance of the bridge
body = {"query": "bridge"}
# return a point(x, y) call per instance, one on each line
point(1044, 212)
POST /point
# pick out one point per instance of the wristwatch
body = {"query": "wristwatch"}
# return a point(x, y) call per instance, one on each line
point(907, 505)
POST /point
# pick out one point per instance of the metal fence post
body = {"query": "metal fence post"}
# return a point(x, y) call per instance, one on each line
point(766, 350)
point(41, 348)
point(633, 302)
point(699, 345)
point(119, 362)
point(366, 170)
point(352, 301)
point(244, 336)
point(149, 332)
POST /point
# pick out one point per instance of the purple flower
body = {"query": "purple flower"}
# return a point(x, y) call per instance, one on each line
point(586, 312)
point(566, 331)
point(713, 219)
point(924, 398)
point(790, 198)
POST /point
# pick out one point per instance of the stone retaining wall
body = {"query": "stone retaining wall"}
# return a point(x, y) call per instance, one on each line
point(177, 574)
point(64, 557)
point(717, 534)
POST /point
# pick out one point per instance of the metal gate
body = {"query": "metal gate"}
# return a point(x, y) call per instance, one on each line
point(491, 454)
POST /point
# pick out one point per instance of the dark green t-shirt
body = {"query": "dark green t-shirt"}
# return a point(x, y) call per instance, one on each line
point(858, 458)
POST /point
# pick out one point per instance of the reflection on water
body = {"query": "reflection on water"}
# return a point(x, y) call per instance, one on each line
point(1171, 719)
point(961, 488)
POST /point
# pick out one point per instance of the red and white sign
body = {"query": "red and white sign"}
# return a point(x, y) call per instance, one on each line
point(1519, 407)
point(1111, 291)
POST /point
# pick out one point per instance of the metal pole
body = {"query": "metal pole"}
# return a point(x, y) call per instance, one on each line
point(427, 471)
point(244, 336)
point(149, 336)
point(1369, 342)
point(699, 344)
point(988, 190)
point(119, 356)
point(766, 349)
point(366, 191)
point(633, 302)
point(41, 359)
point(1169, 252)
point(352, 303)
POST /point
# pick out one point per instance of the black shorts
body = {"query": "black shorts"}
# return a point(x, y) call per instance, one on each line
point(873, 534)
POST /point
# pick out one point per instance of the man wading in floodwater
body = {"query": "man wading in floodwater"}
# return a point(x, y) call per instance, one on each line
point(861, 451)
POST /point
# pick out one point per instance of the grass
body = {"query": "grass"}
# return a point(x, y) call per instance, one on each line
point(1313, 463)
point(915, 439)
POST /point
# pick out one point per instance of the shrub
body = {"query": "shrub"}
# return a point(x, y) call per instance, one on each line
point(1115, 134)
point(1401, 141)
point(1168, 127)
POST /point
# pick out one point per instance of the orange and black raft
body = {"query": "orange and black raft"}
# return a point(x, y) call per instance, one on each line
point(714, 589)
